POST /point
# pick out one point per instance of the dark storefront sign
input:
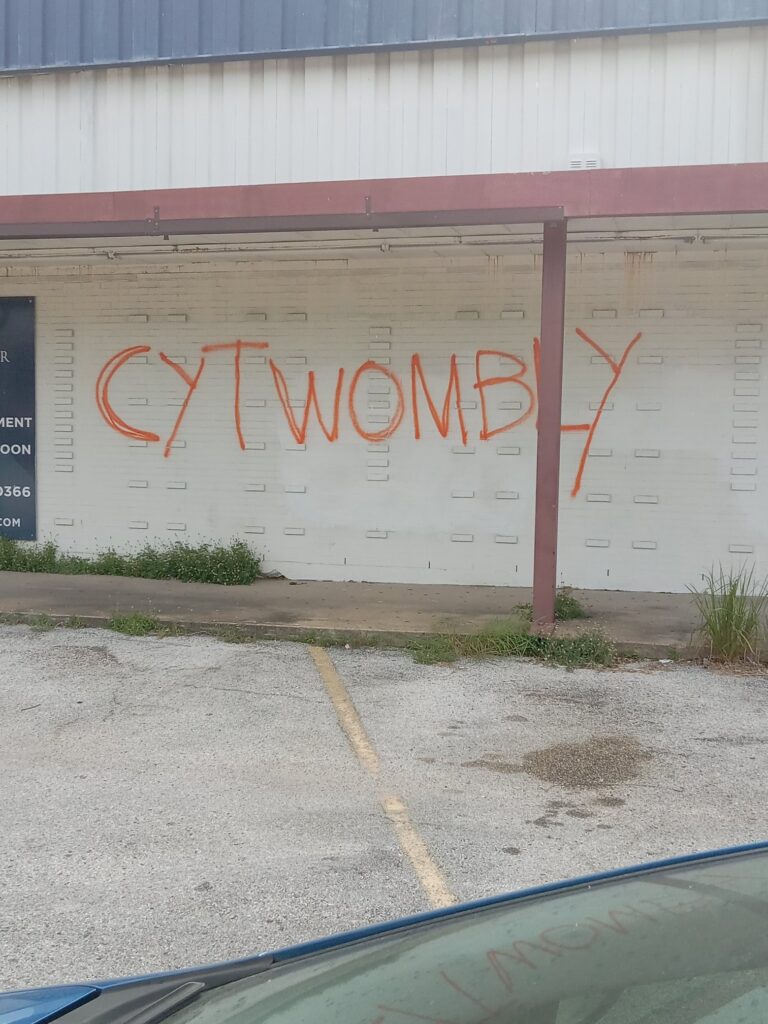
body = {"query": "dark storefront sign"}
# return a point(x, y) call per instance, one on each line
point(18, 482)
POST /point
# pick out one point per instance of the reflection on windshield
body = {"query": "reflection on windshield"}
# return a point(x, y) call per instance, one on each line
point(680, 946)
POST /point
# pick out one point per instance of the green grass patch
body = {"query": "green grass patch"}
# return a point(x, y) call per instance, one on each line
point(591, 649)
point(513, 639)
point(434, 650)
point(42, 623)
point(10, 619)
point(567, 607)
point(230, 635)
point(354, 641)
point(732, 609)
point(135, 624)
point(167, 629)
point(227, 565)
point(506, 638)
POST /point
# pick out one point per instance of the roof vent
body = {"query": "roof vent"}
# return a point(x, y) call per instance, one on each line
point(583, 161)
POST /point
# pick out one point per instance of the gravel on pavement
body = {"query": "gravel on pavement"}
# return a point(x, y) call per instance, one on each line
point(175, 801)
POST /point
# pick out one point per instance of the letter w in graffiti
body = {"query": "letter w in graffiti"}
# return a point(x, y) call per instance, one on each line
point(299, 430)
point(617, 368)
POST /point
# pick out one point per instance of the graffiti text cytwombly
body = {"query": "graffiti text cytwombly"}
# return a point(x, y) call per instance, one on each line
point(420, 407)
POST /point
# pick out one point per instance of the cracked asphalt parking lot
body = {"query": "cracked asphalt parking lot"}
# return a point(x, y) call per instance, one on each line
point(175, 801)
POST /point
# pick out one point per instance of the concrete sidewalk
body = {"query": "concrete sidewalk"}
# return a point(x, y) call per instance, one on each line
point(647, 623)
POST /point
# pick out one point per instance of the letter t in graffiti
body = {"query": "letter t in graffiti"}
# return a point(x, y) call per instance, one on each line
point(237, 347)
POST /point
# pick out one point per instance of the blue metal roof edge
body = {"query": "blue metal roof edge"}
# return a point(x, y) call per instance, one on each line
point(59, 35)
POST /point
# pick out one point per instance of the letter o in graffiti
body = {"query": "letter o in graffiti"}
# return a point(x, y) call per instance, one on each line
point(397, 419)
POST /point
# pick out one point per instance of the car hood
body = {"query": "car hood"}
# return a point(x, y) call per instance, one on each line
point(40, 1005)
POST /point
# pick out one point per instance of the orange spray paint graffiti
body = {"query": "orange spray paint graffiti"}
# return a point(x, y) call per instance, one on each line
point(103, 404)
point(237, 347)
point(191, 383)
point(617, 371)
point(441, 420)
point(397, 419)
point(487, 382)
point(441, 416)
point(589, 428)
point(299, 431)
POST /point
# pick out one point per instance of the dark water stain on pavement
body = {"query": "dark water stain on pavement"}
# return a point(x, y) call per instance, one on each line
point(598, 761)
point(83, 657)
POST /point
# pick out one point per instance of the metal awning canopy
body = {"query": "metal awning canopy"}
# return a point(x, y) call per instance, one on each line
point(539, 198)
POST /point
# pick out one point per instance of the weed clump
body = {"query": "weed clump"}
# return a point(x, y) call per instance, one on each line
point(732, 607)
point(228, 565)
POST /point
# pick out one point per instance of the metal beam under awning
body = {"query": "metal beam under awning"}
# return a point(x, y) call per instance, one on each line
point(426, 203)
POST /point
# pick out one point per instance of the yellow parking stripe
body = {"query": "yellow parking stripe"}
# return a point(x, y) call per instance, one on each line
point(346, 712)
point(411, 843)
point(413, 846)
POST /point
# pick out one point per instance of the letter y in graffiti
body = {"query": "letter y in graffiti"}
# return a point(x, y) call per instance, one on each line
point(191, 383)
point(590, 429)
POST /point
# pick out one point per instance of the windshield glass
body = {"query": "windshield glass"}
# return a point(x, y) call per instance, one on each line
point(684, 945)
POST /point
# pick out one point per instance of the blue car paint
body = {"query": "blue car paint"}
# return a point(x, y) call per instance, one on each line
point(320, 945)
point(42, 1006)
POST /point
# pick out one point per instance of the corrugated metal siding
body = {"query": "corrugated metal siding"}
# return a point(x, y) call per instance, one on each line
point(646, 100)
point(39, 34)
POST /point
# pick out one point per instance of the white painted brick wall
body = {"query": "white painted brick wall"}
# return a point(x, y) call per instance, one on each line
point(675, 480)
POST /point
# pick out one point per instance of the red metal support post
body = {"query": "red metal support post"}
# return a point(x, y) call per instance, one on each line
point(553, 283)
